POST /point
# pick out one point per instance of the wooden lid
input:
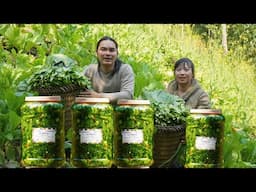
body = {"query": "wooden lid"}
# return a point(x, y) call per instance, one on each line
point(91, 100)
point(43, 98)
point(133, 102)
point(205, 111)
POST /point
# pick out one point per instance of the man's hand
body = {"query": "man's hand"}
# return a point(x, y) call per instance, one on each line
point(89, 93)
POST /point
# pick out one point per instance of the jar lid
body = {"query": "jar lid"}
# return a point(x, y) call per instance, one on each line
point(133, 102)
point(43, 98)
point(91, 100)
point(206, 111)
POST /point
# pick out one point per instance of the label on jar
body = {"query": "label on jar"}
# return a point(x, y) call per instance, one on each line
point(205, 143)
point(91, 136)
point(43, 135)
point(132, 136)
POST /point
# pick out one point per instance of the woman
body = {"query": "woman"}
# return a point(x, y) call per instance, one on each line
point(110, 77)
point(187, 87)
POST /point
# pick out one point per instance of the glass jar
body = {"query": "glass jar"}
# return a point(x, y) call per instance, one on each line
point(92, 136)
point(204, 138)
point(42, 125)
point(133, 138)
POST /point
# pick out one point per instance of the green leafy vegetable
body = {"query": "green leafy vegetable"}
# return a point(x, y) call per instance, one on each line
point(168, 109)
point(59, 73)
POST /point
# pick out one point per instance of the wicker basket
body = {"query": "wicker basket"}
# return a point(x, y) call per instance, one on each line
point(166, 141)
point(68, 101)
point(68, 94)
point(63, 90)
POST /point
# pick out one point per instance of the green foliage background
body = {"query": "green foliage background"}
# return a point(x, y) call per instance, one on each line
point(151, 49)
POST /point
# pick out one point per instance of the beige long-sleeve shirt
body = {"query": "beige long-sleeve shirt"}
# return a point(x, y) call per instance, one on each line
point(118, 86)
point(195, 97)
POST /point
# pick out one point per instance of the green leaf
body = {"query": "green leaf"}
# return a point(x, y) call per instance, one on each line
point(10, 152)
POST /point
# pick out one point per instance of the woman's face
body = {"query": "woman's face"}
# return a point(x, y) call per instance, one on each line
point(183, 74)
point(107, 52)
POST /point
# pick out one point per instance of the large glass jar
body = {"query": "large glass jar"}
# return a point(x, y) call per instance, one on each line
point(92, 136)
point(133, 138)
point(204, 138)
point(42, 125)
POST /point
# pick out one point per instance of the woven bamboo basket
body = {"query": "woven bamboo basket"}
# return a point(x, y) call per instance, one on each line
point(63, 90)
point(166, 142)
point(68, 94)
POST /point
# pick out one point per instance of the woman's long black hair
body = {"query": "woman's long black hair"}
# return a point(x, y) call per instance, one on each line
point(185, 61)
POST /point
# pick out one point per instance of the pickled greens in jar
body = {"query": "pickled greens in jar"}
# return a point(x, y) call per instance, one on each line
point(92, 140)
point(134, 128)
point(204, 136)
point(42, 132)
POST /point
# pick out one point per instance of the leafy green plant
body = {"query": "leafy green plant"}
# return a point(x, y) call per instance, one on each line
point(60, 72)
point(169, 109)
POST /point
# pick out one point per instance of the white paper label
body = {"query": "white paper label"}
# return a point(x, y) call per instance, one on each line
point(205, 143)
point(91, 136)
point(132, 136)
point(43, 135)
